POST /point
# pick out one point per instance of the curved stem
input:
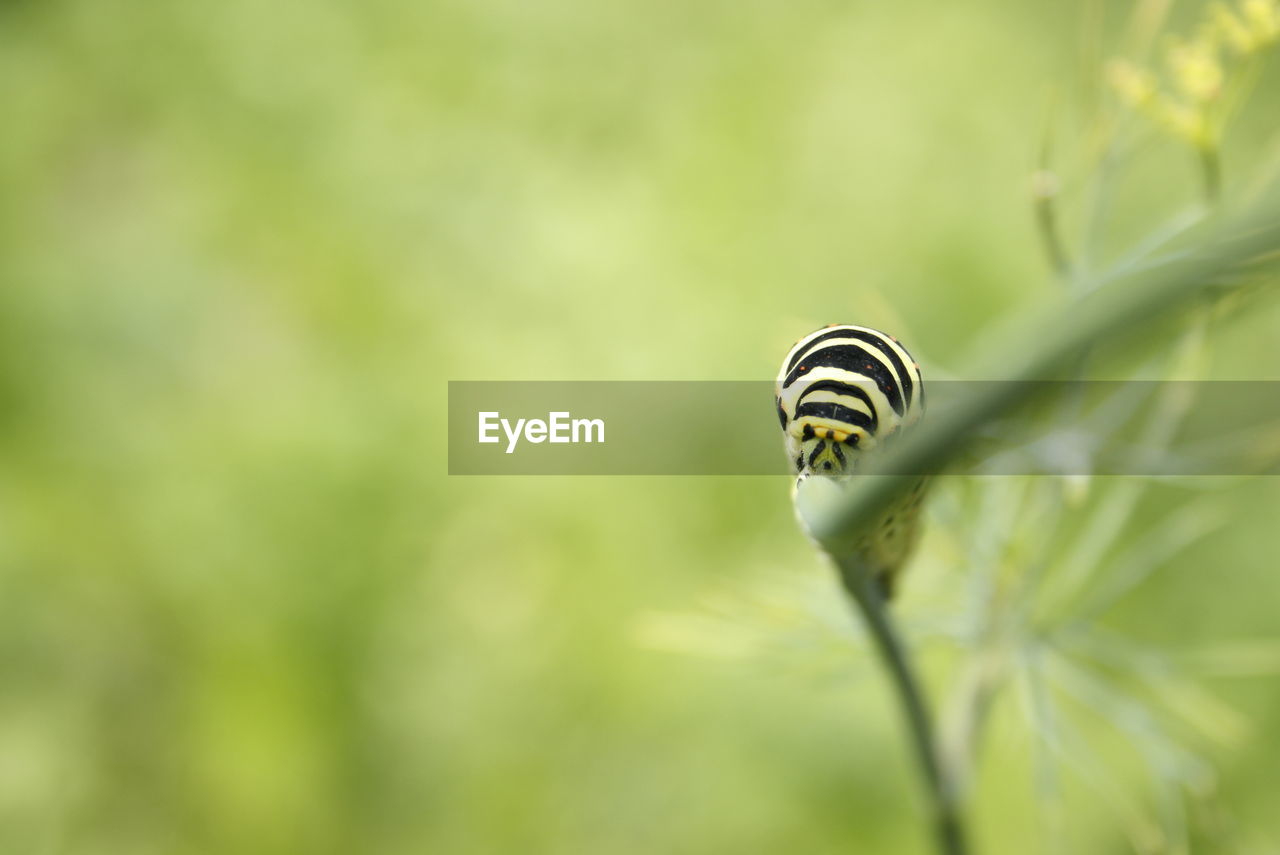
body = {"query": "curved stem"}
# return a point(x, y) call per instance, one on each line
point(1123, 306)
point(941, 789)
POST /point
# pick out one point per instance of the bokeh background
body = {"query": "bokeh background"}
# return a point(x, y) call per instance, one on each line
point(243, 246)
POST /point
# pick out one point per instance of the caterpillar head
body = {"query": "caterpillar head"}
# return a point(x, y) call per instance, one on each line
point(843, 392)
point(817, 449)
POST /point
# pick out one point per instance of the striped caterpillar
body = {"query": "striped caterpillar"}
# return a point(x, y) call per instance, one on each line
point(843, 393)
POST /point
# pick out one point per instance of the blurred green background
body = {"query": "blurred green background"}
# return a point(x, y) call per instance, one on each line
point(242, 248)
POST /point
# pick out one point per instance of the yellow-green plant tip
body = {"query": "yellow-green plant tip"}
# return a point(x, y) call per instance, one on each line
point(1232, 30)
point(1182, 121)
point(1044, 184)
point(1135, 85)
point(1196, 69)
point(1263, 19)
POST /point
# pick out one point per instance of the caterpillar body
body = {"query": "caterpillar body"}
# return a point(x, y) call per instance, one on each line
point(843, 393)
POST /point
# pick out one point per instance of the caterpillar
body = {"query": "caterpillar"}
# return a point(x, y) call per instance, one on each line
point(843, 393)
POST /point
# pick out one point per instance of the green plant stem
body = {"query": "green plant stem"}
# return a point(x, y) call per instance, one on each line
point(941, 790)
point(1047, 222)
point(1211, 174)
